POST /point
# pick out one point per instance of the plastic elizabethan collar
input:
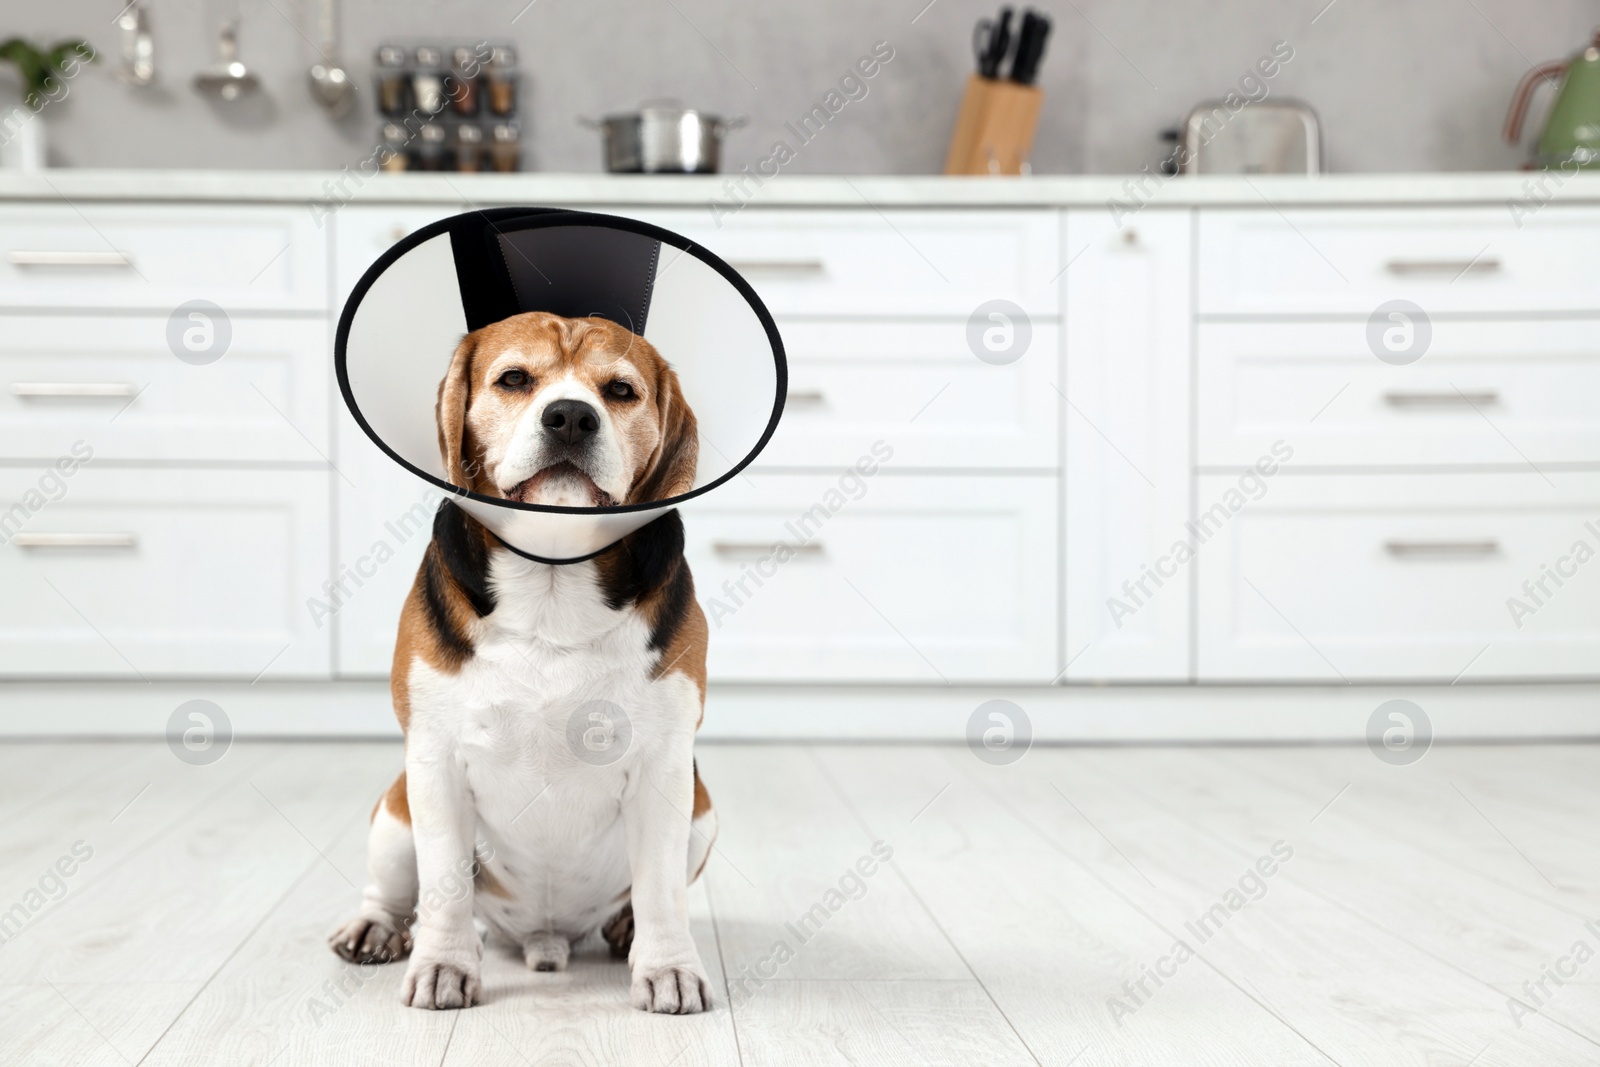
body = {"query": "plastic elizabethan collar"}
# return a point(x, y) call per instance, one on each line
point(406, 316)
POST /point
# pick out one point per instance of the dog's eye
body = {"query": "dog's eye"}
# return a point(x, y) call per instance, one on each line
point(620, 390)
point(513, 379)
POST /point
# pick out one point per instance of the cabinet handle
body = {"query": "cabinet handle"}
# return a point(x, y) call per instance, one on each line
point(75, 540)
point(1453, 267)
point(1441, 399)
point(778, 266)
point(807, 397)
point(85, 389)
point(1449, 549)
point(21, 258)
point(764, 548)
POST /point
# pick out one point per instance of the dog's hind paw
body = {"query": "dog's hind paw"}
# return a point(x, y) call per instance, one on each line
point(363, 940)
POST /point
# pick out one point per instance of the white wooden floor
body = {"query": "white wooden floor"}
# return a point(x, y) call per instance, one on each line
point(1030, 913)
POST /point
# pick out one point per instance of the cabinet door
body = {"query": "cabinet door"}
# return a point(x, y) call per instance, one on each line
point(891, 578)
point(1400, 577)
point(117, 572)
point(1482, 386)
point(363, 232)
point(1126, 422)
point(864, 262)
point(385, 514)
point(915, 385)
point(113, 382)
point(385, 523)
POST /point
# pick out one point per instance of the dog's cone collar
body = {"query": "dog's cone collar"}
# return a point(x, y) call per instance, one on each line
point(409, 311)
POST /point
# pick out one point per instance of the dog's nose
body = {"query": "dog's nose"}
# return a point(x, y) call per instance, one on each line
point(570, 421)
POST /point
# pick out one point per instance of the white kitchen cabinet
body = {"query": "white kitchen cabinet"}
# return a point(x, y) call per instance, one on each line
point(1501, 393)
point(1401, 577)
point(155, 257)
point(1302, 261)
point(113, 382)
point(890, 578)
point(1126, 427)
point(127, 573)
point(916, 385)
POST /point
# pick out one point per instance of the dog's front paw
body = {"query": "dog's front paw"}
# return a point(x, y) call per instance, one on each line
point(363, 940)
point(674, 989)
point(441, 983)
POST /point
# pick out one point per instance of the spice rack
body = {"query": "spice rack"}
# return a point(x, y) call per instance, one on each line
point(449, 108)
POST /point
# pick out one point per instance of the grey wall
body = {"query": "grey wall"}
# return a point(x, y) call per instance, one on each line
point(1401, 84)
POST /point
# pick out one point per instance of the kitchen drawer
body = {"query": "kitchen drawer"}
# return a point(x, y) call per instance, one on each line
point(112, 382)
point(917, 387)
point(893, 578)
point(1330, 260)
point(365, 232)
point(1485, 393)
point(1400, 578)
point(197, 573)
point(160, 256)
point(870, 263)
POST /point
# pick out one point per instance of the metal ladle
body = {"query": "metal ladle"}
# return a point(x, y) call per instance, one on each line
point(330, 84)
point(227, 78)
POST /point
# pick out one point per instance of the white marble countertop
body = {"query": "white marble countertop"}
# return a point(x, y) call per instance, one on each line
point(794, 190)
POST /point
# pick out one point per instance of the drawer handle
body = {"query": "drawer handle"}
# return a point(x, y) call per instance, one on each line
point(1453, 267)
point(779, 266)
point(1448, 549)
point(75, 540)
point(807, 397)
point(763, 549)
point(20, 258)
point(80, 389)
point(1451, 399)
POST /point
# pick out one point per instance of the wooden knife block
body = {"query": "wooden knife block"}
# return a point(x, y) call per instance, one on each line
point(994, 128)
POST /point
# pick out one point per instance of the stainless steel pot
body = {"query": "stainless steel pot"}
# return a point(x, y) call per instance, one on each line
point(663, 138)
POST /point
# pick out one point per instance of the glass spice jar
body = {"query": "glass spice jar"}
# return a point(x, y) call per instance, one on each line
point(501, 76)
point(506, 152)
point(427, 80)
point(465, 86)
point(394, 159)
point(433, 153)
point(469, 148)
point(394, 88)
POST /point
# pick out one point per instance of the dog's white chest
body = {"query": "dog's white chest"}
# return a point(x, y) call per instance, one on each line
point(550, 735)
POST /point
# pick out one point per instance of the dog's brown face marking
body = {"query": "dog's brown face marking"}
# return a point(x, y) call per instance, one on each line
point(570, 412)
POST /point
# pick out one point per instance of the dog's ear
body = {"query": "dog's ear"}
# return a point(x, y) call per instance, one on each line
point(455, 392)
point(670, 469)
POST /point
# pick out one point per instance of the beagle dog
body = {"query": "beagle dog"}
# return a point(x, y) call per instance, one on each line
point(549, 711)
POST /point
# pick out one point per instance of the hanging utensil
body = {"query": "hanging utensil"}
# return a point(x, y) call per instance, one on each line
point(330, 83)
point(138, 46)
point(227, 78)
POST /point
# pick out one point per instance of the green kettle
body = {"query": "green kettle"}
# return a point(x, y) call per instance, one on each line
point(1571, 136)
